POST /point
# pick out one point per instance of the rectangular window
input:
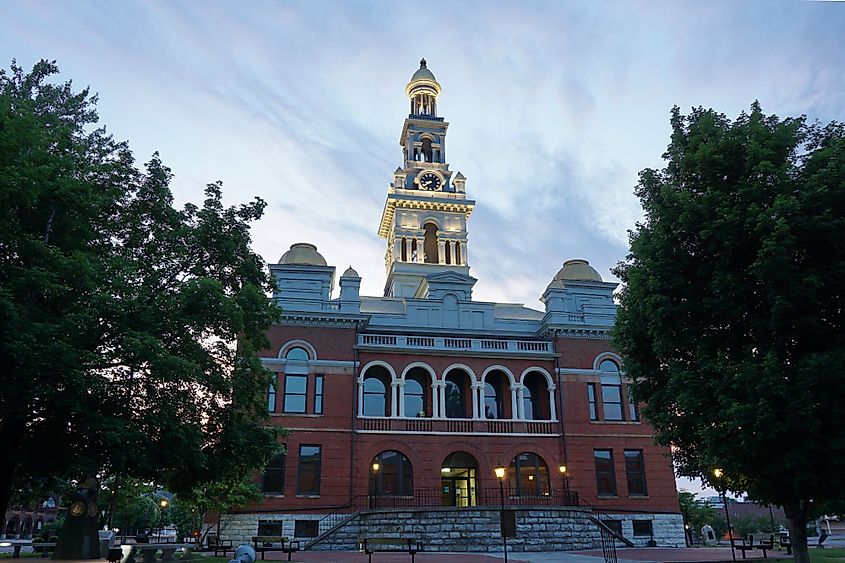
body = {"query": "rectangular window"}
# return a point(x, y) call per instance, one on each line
point(269, 527)
point(633, 410)
point(308, 477)
point(635, 471)
point(611, 401)
point(605, 475)
point(296, 387)
point(591, 397)
point(271, 398)
point(306, 528)
point(318, 394)
point(615, 525)
point(274, 476)
point(642, 528)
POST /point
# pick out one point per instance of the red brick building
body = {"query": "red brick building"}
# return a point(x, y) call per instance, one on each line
point(411, 399)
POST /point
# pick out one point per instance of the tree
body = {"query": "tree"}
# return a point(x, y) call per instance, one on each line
point(731, 322)
point(214, 499)
point(119, 313)
point(697, 513)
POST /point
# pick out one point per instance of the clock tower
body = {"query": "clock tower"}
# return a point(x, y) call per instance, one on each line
point(426, 211)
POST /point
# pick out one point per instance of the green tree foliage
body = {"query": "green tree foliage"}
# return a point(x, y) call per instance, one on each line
point(731, 319)
point(212, 499)
point(697, 513)
point(136, 514)
point(119, 312)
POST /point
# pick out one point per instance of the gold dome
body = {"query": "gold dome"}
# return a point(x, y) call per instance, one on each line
point(577, 269)
point(303, 253)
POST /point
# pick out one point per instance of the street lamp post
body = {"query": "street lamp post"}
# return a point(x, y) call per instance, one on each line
point(565, 475)
point(718, 473)
point(500, 471)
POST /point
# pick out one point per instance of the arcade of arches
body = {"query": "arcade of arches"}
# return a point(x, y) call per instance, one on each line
point(392, 475)
point(456, 394)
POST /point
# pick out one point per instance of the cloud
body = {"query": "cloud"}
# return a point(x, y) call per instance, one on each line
point(554, 108)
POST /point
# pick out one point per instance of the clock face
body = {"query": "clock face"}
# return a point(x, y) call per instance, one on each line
point(429, 181)
point(77, 508)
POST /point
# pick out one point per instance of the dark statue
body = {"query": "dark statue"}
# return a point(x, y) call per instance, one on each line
point(79, 538)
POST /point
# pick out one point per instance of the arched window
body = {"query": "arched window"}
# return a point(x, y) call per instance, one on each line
point(611, 390)
point(298, 354)
point(296, 381)
point(535, 400)
point(430, 244)
point(528, 475)
point(494, 391)
point(391, 473)
point(375, 397)
point(457, 393)
point(417, 382)
point(426, 149)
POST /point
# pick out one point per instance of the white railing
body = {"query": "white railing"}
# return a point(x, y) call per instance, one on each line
point(480, 345)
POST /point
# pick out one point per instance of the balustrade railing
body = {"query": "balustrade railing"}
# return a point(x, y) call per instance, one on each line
point(457, 426)
point(482, 345)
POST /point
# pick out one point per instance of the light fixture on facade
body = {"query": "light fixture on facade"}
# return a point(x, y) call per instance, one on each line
point(375, 467)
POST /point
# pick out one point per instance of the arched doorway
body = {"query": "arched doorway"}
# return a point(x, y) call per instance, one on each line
point(458, 484)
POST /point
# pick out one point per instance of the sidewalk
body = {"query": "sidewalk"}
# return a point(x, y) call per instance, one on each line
point(637, 555)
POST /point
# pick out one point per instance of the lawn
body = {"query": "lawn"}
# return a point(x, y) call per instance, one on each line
point(827, 555)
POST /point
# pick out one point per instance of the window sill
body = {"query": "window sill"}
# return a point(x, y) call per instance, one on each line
point(296, 414)
point(307, 496)
point(639, 497)
point(607, 497)
point(614, 422)
point(274, 495)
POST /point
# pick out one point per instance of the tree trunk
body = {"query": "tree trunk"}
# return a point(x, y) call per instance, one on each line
point(11, 437)
point(796, 516)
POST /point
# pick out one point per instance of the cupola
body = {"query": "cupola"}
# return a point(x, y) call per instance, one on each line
point(423, 90)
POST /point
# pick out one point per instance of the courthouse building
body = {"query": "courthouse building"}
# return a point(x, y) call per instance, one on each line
point(409, 400)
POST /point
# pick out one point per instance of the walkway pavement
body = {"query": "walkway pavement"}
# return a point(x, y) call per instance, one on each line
point(638, 555)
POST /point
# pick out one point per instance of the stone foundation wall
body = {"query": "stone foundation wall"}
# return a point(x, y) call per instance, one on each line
point(667, 529)
point(450, 529)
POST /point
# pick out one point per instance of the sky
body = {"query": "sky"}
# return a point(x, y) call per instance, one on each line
point(554, 107)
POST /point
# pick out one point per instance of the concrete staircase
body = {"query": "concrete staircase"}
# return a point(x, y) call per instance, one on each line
point(462, 529)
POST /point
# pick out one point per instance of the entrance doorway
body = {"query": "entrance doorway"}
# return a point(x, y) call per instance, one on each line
point(458, 480)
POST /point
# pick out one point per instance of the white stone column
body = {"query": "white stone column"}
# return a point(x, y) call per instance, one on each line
point(420, 254)
point(441, 385)
point(552, 410)
point(401, 385)
point(408, 250)
point(435, 400)
point(516, 398)
point(475, 403)
point(393, 398)
point(464, 258)
point(360, 396)
point(441, 251)
point(397, 249)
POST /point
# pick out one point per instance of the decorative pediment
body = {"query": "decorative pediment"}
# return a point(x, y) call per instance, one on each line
point(437, 286)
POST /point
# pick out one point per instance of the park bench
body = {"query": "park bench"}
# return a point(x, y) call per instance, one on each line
point(220, 547)
point(264, 544)
point(148, 551)
point(45, 547)
point(411, 546)
point(763, 542)
point(785, 543)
